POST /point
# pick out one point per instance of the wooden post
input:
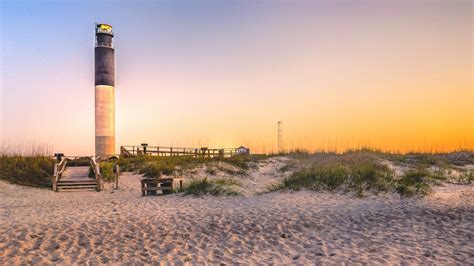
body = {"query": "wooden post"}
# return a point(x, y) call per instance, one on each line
point(55, 177)
point(117, 174)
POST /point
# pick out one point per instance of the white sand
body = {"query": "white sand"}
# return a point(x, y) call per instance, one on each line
point(258, 178)
point(41, 226)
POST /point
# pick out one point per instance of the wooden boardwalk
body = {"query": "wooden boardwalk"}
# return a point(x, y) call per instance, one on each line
point(76, 173)
point(130, 151)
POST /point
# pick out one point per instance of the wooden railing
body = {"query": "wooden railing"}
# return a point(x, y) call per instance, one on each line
point(129, 151)
point(96, 168)
point(59, 169)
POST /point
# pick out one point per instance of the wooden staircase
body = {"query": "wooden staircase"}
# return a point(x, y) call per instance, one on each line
point(76, 185)
point(76, 178)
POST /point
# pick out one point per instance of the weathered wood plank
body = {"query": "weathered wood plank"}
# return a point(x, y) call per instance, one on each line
point(156, 188)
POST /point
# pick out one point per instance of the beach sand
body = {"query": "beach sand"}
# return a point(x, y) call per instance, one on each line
point(120, 226)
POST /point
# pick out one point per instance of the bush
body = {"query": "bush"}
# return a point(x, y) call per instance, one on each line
point(29, 171)
point(216, 187)
point(107, 171)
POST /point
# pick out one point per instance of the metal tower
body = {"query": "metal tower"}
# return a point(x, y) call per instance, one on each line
point(280, 137)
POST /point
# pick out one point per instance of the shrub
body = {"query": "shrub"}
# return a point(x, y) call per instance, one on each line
point(107, 171)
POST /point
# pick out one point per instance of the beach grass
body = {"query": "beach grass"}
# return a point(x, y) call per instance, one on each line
point(28, 171)
point(28, 165)
point(358, 177)
point(154, 166)
point(366, 170)
point(214, 187)
point(414, 181)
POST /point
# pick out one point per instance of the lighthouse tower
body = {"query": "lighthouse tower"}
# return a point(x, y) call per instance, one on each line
point(104, 91)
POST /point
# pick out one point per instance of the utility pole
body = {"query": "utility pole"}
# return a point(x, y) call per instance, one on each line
point(280, 137)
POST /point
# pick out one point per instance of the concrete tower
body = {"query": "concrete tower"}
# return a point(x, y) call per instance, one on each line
point(104, 91)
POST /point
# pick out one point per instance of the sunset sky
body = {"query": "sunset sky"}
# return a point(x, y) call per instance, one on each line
point(394, 75)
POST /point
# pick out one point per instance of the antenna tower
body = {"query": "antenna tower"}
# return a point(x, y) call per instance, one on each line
point(280, 137)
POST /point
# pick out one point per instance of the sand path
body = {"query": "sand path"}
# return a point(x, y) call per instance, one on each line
point(41, 226)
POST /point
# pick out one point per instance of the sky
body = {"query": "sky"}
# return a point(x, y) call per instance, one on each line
point(392, 75)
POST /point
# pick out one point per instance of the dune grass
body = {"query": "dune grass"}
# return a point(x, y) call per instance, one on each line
point(154, 166)
point(363, 170)
point(106, 170)
point(414, 182)
point(27, 165)
point(214, 187)
point(28, 171)
point(359, 178)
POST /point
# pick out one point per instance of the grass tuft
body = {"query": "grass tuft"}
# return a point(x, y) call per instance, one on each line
point(358, 177)
point(215, 187)
point(414, 181)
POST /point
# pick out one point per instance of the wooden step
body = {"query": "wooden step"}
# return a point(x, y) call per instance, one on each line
point(77, 187)
point(77, 183)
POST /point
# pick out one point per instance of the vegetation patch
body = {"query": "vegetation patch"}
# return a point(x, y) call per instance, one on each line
point(215, 187)
point(242, 161)
point(358, 178)
point(413, 182)
point(35, 171)
point(211, 171)
point(466, 178)
point(154, 166)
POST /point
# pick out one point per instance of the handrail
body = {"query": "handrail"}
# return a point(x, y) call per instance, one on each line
point(59, 169)
point(98, 177)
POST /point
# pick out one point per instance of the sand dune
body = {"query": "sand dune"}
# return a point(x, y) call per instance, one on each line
point(41, 226)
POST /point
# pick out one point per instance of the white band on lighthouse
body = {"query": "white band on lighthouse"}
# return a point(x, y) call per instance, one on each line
point(105, 119)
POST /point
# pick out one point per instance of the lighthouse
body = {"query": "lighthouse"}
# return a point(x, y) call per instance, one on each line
point(104, 91)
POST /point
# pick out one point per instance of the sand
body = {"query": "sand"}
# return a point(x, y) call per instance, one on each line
point(257, 179)
point(41, 226)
